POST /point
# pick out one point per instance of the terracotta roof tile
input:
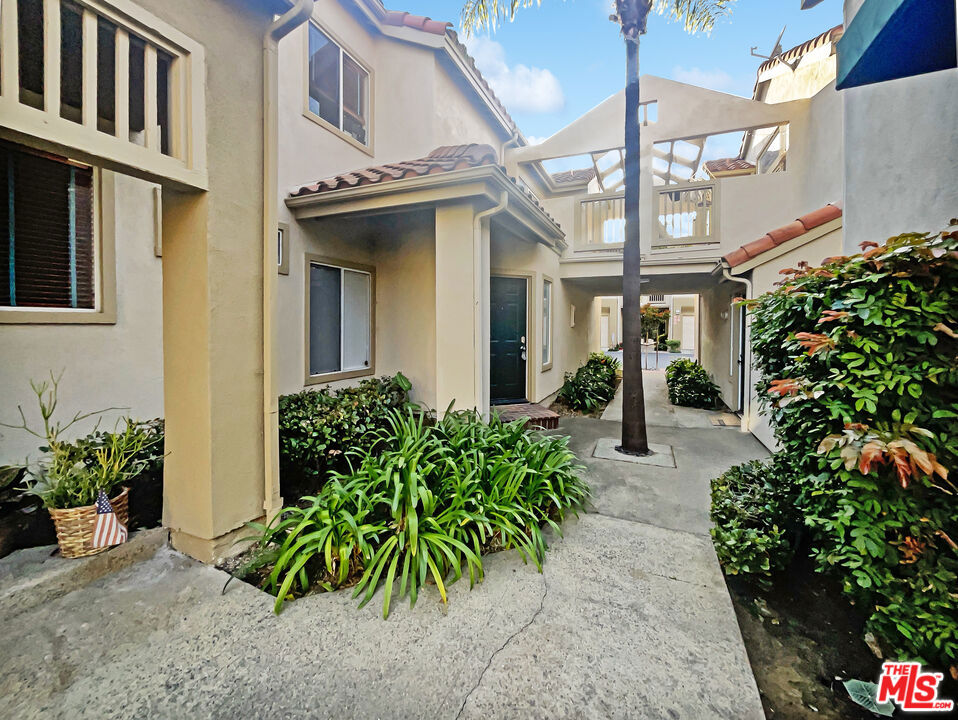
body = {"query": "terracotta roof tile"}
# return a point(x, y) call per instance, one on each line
point(728, 165)
point(442, 159)
point(829, 36)
point(417, 22)
point(820, 216)
point(787, 232)
point(580, 175)
point(774, 238)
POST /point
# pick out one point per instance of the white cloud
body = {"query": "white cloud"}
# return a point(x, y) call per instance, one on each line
point(535, 140)
point(519, 87)
point(716, 79)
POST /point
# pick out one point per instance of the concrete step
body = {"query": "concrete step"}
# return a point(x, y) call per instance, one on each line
point(38, 575)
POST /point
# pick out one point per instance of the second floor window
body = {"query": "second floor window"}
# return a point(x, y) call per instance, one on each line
point(338, 87)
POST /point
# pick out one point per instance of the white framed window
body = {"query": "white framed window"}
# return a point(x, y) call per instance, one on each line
point(546, 324)
point(338, 87)
point(339, 320)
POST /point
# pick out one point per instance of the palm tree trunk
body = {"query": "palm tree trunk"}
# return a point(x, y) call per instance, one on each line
point(634, 435)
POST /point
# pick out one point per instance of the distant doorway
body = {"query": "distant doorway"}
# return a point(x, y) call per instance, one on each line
point(507, 340)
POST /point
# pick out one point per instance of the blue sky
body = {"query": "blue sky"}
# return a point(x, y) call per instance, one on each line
point(559, 60)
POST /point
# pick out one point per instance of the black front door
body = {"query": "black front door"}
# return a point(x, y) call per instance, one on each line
point(507, 347)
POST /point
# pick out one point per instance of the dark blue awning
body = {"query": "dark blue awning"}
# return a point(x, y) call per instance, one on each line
point(889, 39)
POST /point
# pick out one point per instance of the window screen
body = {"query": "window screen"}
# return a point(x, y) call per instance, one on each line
point(340, 319)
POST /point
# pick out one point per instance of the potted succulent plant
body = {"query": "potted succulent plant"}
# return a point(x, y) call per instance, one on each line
point(70, 476)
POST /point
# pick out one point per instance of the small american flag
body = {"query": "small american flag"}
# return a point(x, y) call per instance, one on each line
point(109, 530)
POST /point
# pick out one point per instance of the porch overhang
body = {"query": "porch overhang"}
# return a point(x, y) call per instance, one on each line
point(483, 185)
point(891, 39)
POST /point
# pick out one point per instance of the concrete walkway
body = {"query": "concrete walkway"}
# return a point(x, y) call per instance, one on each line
point(630, 619)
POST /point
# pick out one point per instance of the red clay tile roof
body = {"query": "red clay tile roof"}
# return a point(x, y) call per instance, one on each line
point(829, 36)
point(417, 22)
point(776, 237)
point(442, 159)
point(580, 175)
point(728, 165)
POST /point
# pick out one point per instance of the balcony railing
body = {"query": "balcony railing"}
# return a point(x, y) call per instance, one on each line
point(106, 81)
point(602, 220)
point(685, 215)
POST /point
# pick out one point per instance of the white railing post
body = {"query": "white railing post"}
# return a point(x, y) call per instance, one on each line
point(89, 68)
point(121, 100)
point(149, 98)
point(51, 55)
point(9, 52)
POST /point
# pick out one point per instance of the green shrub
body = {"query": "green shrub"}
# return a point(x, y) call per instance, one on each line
point(860, 379)
point(592, 385)
point(317, 427)
point(752, 513)
point(673, 345)
point(432, 499)
point(689, 384)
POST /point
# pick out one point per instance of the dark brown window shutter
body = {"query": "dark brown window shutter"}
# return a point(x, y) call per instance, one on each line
point(41, 262)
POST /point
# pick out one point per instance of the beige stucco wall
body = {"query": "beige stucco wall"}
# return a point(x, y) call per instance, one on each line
point(213, 289)
point(402, 251)
point(119, 365)
point(418, 103)
point(715, 335)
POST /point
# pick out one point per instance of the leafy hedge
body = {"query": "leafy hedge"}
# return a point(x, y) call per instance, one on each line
point(430, 500)
point(592, 385)
point(690, 385)
point(751, 516)
point(858, 359)
point(317, 427)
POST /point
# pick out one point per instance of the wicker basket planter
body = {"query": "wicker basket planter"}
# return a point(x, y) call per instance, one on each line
point(75, 526)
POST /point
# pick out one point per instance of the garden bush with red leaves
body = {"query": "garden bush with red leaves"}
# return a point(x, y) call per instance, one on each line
point(859, 360)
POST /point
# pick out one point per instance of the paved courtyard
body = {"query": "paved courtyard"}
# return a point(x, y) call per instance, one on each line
point(630, 619)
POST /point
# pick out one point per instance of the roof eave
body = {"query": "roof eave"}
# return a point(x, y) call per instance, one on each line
point(486, 181)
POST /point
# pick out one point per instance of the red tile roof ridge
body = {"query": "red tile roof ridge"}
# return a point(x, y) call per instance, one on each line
point(774, 238)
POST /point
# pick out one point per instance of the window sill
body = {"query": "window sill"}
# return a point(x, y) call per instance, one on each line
point(334, 376)
point(546, 367)
point(368, 149)
point(53, 316)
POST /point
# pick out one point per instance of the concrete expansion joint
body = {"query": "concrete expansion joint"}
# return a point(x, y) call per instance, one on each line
point(648, 524)
point(517, 633)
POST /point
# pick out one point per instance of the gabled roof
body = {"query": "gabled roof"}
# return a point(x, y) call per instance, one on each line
point(774, 238)
point(439, 36)
point(470, 170)
point(573, 177)
point(442, 159)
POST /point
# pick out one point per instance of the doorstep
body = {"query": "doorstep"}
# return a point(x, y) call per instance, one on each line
point(537, 415)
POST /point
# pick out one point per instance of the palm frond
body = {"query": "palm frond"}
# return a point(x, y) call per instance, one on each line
point(488, 14)
point(695, 15)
